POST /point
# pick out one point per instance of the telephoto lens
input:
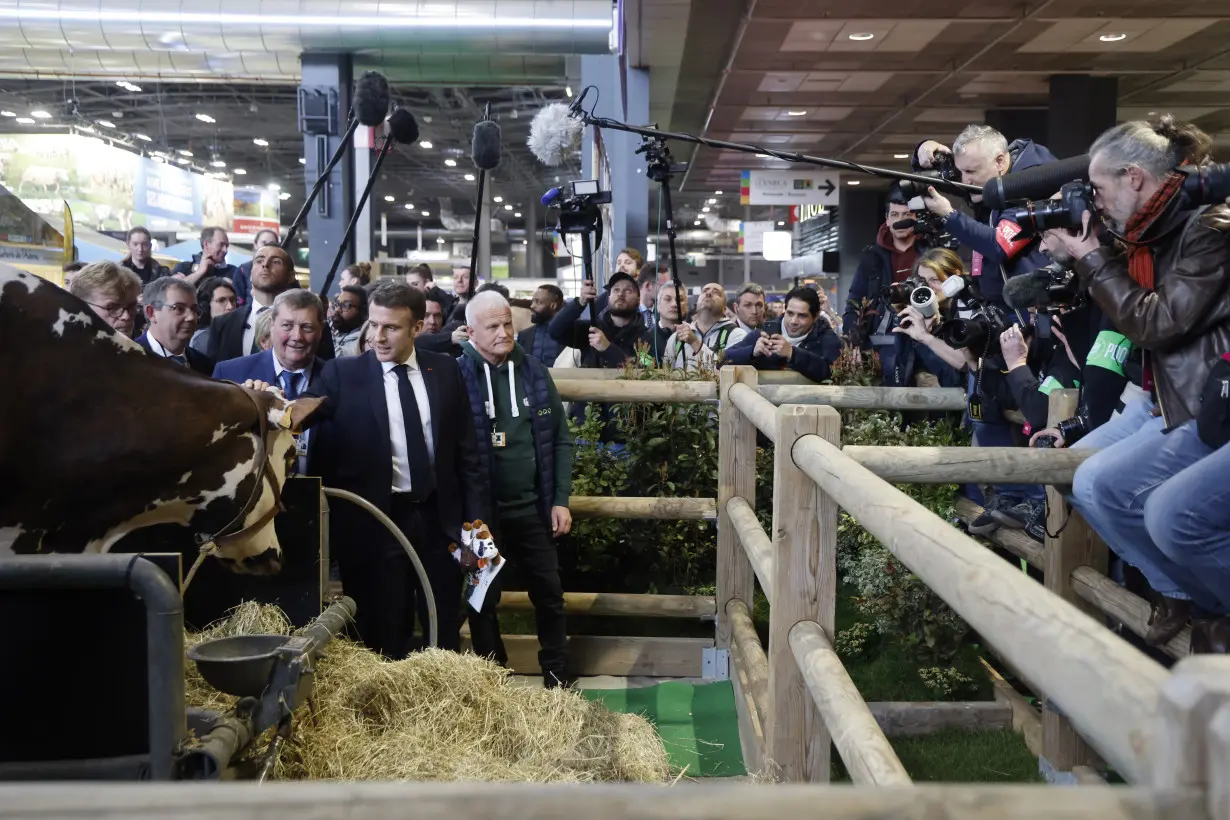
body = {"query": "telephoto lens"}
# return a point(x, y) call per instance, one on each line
point(923, 300)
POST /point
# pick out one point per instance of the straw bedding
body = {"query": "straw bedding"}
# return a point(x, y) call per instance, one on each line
point(441, 716)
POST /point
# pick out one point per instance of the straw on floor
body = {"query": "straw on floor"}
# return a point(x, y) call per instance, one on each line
point(442, 716)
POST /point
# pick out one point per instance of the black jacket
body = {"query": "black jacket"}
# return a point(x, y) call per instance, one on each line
point(812, 356)
point(197, 361)
point(537, 342)
point(225, 270)
point(873, 274)
point(147, 274)
point(352, 450)
point(570, 330)
point(226, 336)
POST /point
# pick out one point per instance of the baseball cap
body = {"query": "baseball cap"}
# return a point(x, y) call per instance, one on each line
point(619, 276)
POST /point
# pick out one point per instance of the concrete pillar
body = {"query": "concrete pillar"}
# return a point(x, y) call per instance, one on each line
point(859, 217)
point(1020, 123)
point(1081, 108)
point(328, 75)
point(533, 250)
point(623, 95)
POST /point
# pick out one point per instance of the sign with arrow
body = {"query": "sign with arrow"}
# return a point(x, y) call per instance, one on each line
point(804, 186)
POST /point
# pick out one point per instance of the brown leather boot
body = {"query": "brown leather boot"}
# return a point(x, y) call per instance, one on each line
point(1167, 619)
point(1211, 636)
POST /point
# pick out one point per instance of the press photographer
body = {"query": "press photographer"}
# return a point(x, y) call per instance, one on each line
point(1164, 285)
point(980, 153)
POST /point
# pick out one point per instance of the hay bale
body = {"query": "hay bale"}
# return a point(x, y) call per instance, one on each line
point(443, 716)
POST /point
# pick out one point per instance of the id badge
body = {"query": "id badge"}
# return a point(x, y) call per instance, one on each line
point(975, 408)
point(499, 440)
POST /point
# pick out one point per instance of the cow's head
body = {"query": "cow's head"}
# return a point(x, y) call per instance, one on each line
point(250, 544)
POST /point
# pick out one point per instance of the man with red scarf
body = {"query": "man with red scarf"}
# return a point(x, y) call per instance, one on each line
point(1164, 284)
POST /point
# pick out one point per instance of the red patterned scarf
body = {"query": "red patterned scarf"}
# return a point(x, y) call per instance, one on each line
point(1140, 257)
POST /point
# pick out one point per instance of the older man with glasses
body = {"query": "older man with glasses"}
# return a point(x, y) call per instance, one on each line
point(113, 293)
point(170, 308)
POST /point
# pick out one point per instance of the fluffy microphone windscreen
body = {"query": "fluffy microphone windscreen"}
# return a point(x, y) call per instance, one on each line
point(371, 98)
point(1028, 290)
point(403, 126)
point(1039, 182)
point(555, 134)
point(485, 146)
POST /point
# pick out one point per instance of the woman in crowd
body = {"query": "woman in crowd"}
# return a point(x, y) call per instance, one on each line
point(214, 297)
point(923, 359)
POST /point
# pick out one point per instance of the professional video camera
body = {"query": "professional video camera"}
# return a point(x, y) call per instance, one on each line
point(1066, 212)
point(943, 167)
point(579, 212)
point(928, 227)
point(1051, 289)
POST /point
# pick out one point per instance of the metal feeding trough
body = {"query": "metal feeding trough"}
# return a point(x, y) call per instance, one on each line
point(239, 665)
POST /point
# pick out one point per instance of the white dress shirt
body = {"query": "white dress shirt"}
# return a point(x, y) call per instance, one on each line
point(304, 379)
point(158, 350)
point(249, 329)
point(397, 422)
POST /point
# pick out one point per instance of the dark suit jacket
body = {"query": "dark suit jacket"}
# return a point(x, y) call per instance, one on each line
point(197, 361)
point(353, 451)
point(259, 367)
point(226, 337)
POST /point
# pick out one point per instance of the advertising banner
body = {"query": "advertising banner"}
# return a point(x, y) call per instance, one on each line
point(256, 209)
point(793, 187)
point(751, 236)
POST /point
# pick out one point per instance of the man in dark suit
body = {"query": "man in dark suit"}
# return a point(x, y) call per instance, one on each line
point(298, 323)
point(170, 309)
point(234, 335)
point(397, 428)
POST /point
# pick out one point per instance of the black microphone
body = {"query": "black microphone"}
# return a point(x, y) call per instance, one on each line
point(902, 224)
point(371, 99)
point(1028, 290)
point(402, 126)
point(1034, 183)
point(485, 145)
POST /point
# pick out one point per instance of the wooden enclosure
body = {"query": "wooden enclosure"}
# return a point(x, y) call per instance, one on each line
point(1166, 732)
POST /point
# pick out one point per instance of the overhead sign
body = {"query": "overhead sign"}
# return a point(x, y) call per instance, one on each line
point(806, 213)
point(793, 187)
point(751, 236)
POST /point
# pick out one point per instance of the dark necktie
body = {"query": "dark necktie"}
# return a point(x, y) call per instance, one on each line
point(180, 360)
point(290, 385)
point(422, 479)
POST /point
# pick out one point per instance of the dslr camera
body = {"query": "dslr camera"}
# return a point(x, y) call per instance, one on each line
point(943, 167)
point(980, 332)
point(1064, 213)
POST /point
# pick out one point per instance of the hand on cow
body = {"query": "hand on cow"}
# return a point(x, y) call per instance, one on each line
point(561, 521)
point(259, 386)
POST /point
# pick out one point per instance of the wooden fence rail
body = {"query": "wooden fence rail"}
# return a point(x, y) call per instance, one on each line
point(932, 399)
point(957, 465)
point(643, 507)
point(622, 604)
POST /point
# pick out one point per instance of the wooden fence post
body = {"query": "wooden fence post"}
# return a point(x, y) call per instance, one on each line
point(1076, 546)
point(804, 589)
point(736, 477)
point(1187, 748)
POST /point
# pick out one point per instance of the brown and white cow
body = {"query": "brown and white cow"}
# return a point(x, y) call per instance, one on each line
point(98, 439)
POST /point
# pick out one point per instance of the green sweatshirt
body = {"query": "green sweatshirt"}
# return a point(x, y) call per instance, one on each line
point(516, 468)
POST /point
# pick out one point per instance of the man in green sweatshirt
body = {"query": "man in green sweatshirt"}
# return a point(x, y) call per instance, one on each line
point(524, 441)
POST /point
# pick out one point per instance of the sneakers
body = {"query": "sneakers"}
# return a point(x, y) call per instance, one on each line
point(1035, 524)
point(985, 523)
point(1012, 513)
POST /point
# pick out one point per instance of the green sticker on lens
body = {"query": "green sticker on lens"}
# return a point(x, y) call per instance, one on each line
point(1110, 350)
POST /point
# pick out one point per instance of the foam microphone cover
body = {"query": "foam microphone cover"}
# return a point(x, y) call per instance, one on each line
point(555, 134)
point(1039, 182)
point(371, 99)
point(403, 126)
point(1028, 290)
point(485, 146)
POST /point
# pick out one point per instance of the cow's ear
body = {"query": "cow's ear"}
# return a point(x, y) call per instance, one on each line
point(298, 413)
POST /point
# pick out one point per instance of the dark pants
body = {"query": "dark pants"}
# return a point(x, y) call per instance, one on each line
point(387, 592)
point(530, 549)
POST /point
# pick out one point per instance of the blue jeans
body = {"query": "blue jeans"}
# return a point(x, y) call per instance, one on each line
point(1188, 519)
point(1112, 489)
point(1120, 426)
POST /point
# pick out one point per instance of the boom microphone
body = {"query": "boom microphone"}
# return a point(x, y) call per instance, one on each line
point(555, 134)
point(1034, 183)
point(485, 145)
point(550, 196)
point(371, 99)
point(1028, 290)
point(403, 126)
point(902, 224)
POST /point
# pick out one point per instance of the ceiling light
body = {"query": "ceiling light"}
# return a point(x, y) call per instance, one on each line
point(796, 113)
point(713, 202)
point(445, 21)
point(240, 171)
point(8, 114)
point(861, 36)
point(40, 115)
point(517, 214)
point(901, 156)
point(762, 156)
point(302, 161)
point(409, 206)
point(717, 193)
point(854, 182)
point(469, 177)
point(568, 91)
point(160, 160)
point(284, 196)
point(697, 222)
point(183, 160)
point(497, 199)
point(217, 163)
point(273, 186)
point(206, 118)
point(127, 85)
point(439, 240)
point(705, 210)
point(425, 144)
point(184, 152)
point(103, 123)
point(1113, 38)
point(525, 242)
point(262, 143)
point(779, 224)
point(508, 207)
point(425, 213)
point(389, 198)
point(451, 163)
point(25, 121)
point(143, 137)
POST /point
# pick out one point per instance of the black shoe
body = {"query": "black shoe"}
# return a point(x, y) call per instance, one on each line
point(1012, 514)
point(985, 523)
point(1211, 636)
point(558, 680)
point(1167, 619)
point(1035, 525)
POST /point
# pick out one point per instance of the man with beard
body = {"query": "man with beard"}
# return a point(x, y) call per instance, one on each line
point(805, 345)
point(234, 334)
point(535, 340)
point(657, 337)
point(243, 275)
point(703, 341)
point(349, 314)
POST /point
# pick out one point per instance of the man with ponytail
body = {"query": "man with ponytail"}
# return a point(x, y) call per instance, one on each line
point(1160, 270)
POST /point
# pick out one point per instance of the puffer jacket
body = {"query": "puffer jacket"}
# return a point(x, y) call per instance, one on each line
point(1183, 324)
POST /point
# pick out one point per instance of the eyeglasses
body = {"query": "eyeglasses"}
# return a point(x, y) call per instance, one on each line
point(115, 311)
point(344, 305)
point(177, 308)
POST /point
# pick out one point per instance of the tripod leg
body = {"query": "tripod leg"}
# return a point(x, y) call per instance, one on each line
point(320, 183)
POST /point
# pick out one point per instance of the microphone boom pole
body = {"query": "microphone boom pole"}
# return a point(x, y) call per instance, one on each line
point(320, 183)
point(354, 217)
